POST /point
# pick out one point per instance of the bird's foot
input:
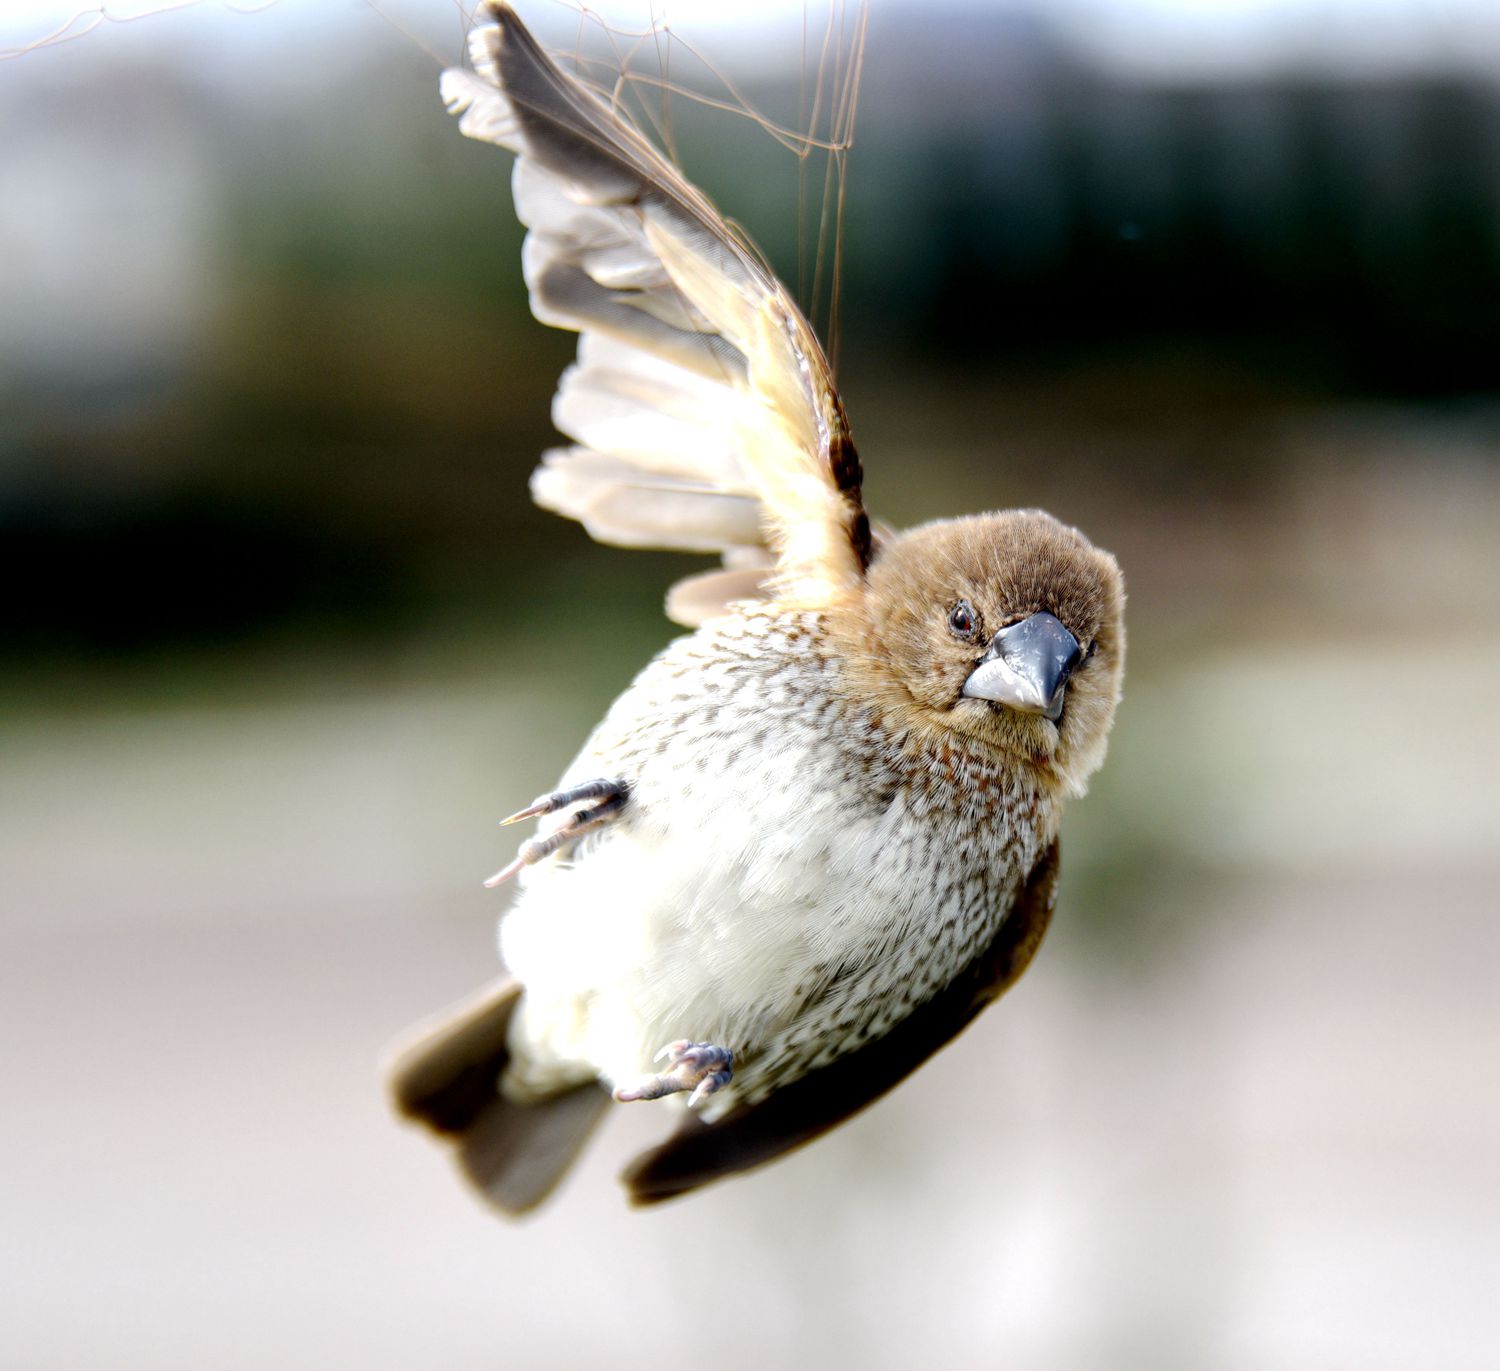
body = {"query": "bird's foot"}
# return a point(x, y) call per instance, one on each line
point(700, 1067)
point(600, 801)
point(602, 791)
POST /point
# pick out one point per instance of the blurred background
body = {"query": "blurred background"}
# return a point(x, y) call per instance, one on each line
point(284, 638)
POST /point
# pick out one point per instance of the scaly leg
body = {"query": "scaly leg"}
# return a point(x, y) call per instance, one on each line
point(610, 797)
point(700, 1067)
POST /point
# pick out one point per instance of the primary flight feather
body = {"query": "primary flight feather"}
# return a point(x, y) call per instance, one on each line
point(814, 837)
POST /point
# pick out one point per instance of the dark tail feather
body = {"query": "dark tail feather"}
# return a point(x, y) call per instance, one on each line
point(444, 1071)
point(446, 1076)
point(515, 1154)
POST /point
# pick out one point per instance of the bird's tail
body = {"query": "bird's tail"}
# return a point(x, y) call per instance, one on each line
point(445, 1074)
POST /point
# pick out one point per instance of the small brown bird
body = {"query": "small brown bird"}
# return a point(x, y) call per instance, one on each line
point(815, 836)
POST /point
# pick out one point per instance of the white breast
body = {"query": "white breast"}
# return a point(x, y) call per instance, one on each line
point(765, 843)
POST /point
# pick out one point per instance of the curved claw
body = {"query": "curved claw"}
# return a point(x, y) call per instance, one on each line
point(505, 873)
point(610, 797)
point(558, 799)
point(706, 1087)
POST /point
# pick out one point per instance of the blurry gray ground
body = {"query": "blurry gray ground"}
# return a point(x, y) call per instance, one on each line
point(1241, 1113)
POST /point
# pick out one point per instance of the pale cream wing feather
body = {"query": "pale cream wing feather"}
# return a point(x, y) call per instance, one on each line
point(701, 408)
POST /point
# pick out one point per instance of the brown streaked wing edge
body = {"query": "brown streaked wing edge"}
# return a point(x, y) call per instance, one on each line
point(699, 1153)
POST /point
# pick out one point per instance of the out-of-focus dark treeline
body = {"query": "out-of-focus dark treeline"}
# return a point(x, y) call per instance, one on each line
point(287, 381)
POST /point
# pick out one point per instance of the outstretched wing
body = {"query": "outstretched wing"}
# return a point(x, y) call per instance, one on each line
point(703, 410)
point(752, 1135)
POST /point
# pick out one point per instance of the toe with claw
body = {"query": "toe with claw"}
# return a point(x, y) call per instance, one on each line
point(700, 1067)
point(590, 791)
point(599, 802)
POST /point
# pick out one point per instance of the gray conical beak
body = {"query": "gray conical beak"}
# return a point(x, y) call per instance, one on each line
point(1027, 667)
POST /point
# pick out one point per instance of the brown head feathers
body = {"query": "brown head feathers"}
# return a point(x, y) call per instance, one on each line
point(999, 569)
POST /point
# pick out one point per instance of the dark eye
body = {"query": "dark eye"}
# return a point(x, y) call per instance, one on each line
point(962, 620)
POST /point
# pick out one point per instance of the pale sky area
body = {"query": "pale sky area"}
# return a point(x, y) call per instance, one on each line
point(1146, 38)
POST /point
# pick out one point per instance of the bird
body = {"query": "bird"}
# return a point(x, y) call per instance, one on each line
point(818, 833)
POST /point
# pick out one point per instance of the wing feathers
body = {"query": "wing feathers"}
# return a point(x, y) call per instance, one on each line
point(667, 423)
point(696, 599)
point(629, 505)
point(694, 363)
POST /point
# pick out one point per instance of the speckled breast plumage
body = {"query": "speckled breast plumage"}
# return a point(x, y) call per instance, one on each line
point(791, 875)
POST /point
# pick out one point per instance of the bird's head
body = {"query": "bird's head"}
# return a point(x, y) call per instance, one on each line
point(1007, 628)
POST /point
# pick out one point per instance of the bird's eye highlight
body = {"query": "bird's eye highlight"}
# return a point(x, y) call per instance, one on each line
point(962, 619)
